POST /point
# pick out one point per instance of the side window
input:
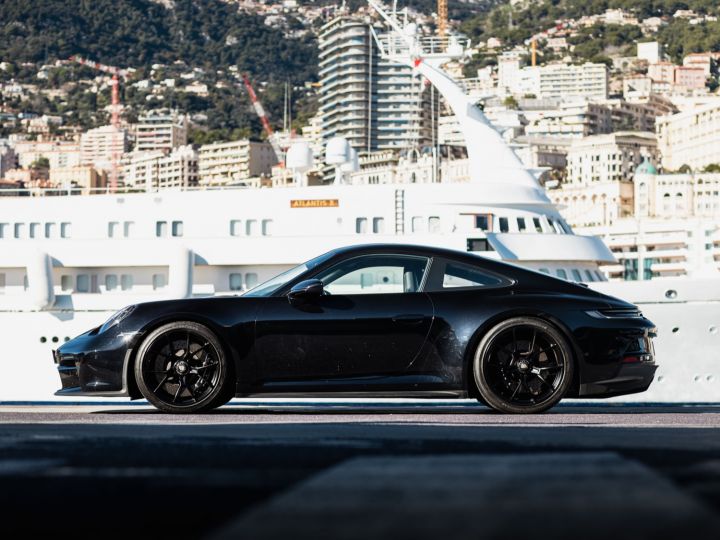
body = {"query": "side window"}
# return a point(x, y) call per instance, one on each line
point(454, 275)
point(375, 274)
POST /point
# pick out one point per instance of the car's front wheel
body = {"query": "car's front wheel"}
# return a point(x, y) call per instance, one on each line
point(523, 365)
point(181, 368)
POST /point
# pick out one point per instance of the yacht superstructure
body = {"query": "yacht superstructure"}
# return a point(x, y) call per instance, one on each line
point(68, 262)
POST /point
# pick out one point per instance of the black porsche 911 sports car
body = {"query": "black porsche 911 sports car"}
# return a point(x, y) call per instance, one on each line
point(374, 320)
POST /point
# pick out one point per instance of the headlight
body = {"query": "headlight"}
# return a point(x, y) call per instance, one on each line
point(117, 318)
point(616, 313)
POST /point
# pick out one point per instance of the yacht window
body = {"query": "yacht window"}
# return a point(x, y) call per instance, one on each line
point(177, 228)
point(113, 229)
point(576, 274)
point(34, 230)
point(537, 224)
point(378, 225)
point(418, 224)
point(2, 283)
point(236, 282)
point(482, 222)
point(434, 224)
point(158, 281)
point(160, 228)
point(521, 224)
point(128, 228)
point(111, 282)
point(66, 283)
point(267, 227)
point(545, 270)
point(251, 279)
point(504, 226)
point(126, 282)
point(3, 229)
point(19, 230)
point(565, 227)
point(235, 227)
point(464, 275)
point(556, 225)
point(251, 227)
point(599, 275)
point(589, 275)
point(26, 283)
point(65, 230)
point(82, 284)
point(561, 273)
point(361, 225)
point(49, 230)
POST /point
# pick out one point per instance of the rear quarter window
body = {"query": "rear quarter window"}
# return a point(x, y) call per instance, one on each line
point(454, 275)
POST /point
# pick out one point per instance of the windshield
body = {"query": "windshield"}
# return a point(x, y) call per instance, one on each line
point(269, 287)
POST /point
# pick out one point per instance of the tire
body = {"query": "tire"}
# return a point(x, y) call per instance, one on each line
point(523, 365)
point(178, 378)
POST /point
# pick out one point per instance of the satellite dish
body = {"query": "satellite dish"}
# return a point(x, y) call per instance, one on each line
point(353, 164)
point(337, 151)
point(299, 157)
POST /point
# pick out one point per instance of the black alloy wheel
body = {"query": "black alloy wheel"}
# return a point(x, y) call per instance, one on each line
point(181, 368)
point(523, 365)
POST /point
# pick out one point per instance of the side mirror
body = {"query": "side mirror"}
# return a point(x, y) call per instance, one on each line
point(306, 290)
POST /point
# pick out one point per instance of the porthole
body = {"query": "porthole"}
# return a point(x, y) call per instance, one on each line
point(67, 338)
point(675, 330)
point(697, 378)
point(55, 339)
point(660, 378)
point(709, 378)
point(671, 294)
point(43, 339)
point(713, 329)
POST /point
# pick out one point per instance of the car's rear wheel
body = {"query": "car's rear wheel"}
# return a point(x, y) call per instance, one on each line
point(181, 368)
point(523, 365)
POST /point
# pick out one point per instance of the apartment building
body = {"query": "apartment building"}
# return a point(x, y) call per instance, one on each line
point(691, 137)
point(235, 162)
point(161, 129)
point(99, 145)
point(161, 169)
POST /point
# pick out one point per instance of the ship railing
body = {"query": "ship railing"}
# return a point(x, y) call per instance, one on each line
point(81, 191)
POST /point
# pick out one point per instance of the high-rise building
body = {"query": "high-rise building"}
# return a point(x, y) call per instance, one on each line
point(235, 162)
point(373, 103)
point(161, 169)
point(99, 145)
point(161, 129)
point(691, 137)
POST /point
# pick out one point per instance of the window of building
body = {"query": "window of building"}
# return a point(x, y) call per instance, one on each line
point(576, 274)
point(361, 225)
point(158, 281)
point(537, 224)
point(236, 282)
point(251, 227)
point(177, 228)
point(111, 282)
point(160, 228)
point(378, 225)
point(267, 225)
point(418, 224)
point(34, 230)
point(522, 226)
point(65, 230)
point(503, 223)
point(126, 282)
point(251, 279)
point(49, 230)
point(113, 228)
point(235, 227)
point(19, 230)
point(128, 227)
point(434, 224)
point(562, 274)
point(82, 283)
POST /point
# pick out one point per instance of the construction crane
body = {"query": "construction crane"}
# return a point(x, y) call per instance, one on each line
point(117, 74)
point(263, 118)
point(442, 12)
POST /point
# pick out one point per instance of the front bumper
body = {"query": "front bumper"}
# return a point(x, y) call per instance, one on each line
point(94, 364)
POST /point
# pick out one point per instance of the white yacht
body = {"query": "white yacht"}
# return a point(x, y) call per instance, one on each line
point(68, 262)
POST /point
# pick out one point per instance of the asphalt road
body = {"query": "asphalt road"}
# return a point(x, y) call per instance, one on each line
point(349, 470)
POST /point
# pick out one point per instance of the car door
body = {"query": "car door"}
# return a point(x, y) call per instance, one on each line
point(365, 331)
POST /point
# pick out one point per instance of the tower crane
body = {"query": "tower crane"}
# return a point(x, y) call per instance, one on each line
point(260, 111)
point(117, 74)
point(442, 12)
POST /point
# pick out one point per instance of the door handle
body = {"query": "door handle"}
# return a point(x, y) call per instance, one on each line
point(409, 319)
